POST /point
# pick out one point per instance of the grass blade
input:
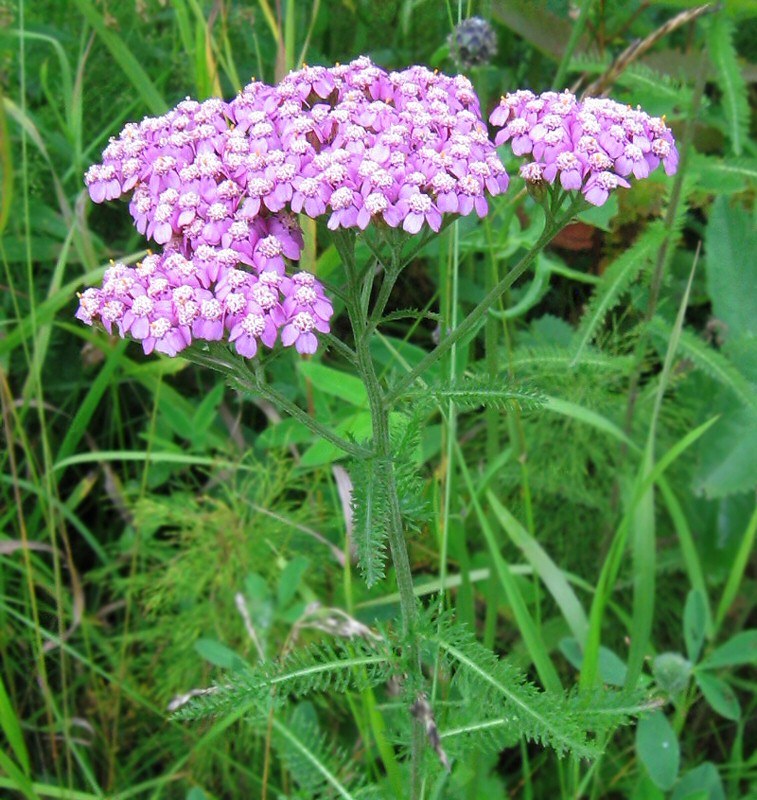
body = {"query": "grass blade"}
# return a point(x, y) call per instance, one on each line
point(644, 535)
point(131, 67)
point(532, 638)
point(552, 576)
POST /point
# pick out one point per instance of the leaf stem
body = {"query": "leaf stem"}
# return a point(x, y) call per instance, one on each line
point(221, 360)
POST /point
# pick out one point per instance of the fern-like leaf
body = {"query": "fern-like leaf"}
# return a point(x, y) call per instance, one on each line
point(316, 765)
point(657, 86)
point(615, 282)
point(326, 667)
point(473, 392)
point(730, 80)
point(710, 361)
point(372, 498)
point(406, 438)
point(650, 86)
point(505, 705)
point(724, 175)
point(552, 359)
point(370, 515)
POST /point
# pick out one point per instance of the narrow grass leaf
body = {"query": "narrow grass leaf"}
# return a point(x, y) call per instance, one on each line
point(738, 568)
point(6, 168)
point(19, 782)
point(694, 624)
point(38, 489)
point(87, 407)
point(614, 559)
point(644, 542)
point(154, 456)
point(551, 575)
point(689, 551)
point(11, 727)
point(588, 417)
point(131, 67)
point(532, 638)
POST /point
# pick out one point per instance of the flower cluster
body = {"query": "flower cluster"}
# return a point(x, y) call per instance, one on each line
point(218, 185)
point(592, 146)
point(168, 300)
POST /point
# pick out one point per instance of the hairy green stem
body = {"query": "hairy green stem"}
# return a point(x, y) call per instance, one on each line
point(381, 445)
point(363, 326)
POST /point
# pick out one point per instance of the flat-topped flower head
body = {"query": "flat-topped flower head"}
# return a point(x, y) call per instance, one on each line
point(217, 187)
point(590, 146)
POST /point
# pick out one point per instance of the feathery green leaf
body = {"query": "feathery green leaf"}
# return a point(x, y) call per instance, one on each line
point(731, 82)
point(615, 282)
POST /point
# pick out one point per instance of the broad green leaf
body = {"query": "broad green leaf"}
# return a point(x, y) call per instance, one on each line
point(335, 383)
point(658, 749)
point(612, 669)
point(219, 655)
point(731, 268)
point(740, 649)
point(646, 790)
point(600, 216)
point(694, 624)
point(728, 453)
point(719, 695)
point(551, 575)
point(357, 427)
point(701, 783)
point(287, 432)
point(290, 578)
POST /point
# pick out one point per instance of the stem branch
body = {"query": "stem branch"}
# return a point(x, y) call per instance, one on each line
point(551, 228)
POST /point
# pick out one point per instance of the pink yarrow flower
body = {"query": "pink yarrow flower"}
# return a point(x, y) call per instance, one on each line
point(591, 146)
point(217, 187)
